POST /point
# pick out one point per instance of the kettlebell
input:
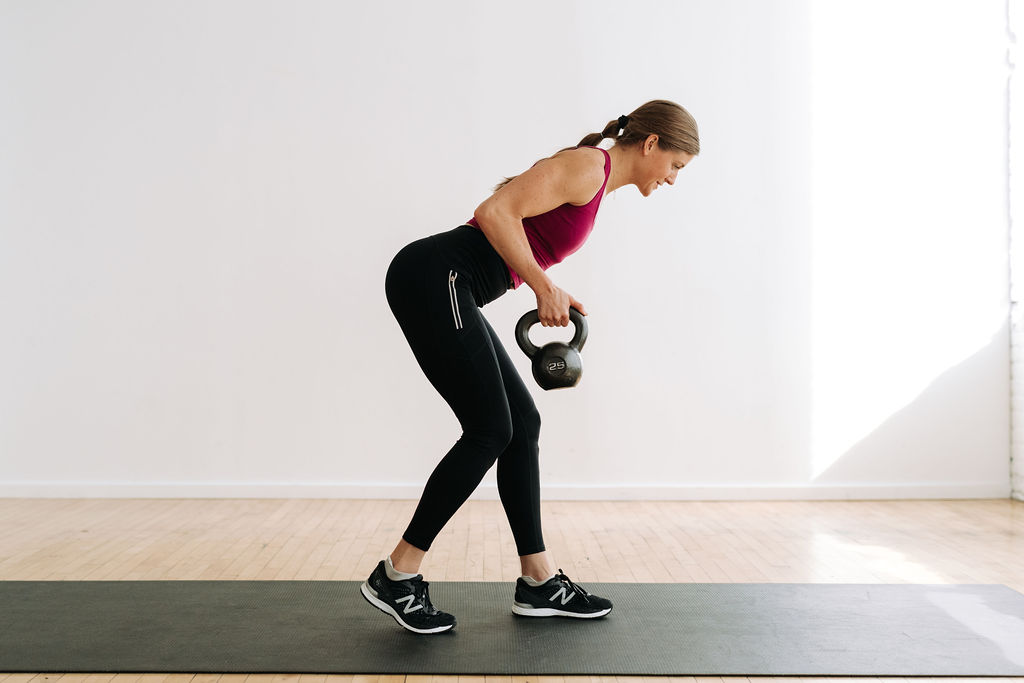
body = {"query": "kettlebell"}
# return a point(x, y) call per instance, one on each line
point(556, 365)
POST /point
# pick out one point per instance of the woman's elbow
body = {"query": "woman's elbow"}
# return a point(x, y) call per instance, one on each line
point(492, 212)
point(485, 216)
point(483, 212)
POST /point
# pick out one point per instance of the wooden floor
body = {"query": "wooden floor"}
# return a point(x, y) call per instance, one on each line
point(979, 541)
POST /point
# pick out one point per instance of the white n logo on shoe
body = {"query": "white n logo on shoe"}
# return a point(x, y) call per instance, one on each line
point(566, 597)
point(409, 608)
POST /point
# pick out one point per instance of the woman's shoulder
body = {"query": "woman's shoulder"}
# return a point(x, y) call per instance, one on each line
point(587, 166)
point(584, 156)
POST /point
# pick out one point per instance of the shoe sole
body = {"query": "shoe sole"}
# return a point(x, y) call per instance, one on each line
point(371, 598)
point(528, 611)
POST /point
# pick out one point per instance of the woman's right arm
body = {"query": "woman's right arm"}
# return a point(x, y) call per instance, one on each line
point(572, 177)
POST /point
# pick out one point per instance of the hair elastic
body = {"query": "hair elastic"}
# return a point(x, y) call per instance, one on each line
point(623, 121)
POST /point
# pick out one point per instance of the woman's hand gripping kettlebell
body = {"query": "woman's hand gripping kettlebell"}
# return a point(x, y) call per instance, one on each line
point(553, 307)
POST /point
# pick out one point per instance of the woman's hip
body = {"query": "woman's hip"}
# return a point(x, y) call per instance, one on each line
point(458, 258)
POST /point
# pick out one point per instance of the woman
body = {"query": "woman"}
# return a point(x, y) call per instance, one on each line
point(436, 287)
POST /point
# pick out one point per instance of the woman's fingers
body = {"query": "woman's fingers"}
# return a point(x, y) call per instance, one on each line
point(553, 308)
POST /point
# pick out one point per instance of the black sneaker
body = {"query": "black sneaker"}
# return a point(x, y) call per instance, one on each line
point(558, 597)
point(407, 601)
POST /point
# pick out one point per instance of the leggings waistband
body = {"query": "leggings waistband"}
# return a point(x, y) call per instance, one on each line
point(468, 249)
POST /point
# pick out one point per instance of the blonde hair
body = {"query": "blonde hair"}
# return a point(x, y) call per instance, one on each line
point(675, 127)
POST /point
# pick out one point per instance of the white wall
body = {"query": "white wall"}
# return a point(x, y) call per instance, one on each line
point(198, 202)
point(1016, 158)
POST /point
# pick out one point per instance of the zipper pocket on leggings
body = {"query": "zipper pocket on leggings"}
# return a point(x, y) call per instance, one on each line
point(455, 300)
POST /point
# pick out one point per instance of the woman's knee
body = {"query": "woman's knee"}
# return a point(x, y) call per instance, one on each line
point(530, 423)
point(491, 438)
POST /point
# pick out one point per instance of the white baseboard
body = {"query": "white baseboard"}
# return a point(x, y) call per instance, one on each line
point(489, 491)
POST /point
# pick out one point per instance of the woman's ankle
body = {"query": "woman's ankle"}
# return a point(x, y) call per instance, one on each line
point(538, 566)
point(407, 558)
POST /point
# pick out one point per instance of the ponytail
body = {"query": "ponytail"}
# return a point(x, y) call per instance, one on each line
point(675, 127)
point(610, 131)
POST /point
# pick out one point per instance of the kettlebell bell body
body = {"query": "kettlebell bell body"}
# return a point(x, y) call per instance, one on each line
point(556, 365)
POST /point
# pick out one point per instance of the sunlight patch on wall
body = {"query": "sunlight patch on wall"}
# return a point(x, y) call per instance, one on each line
point(906, 211)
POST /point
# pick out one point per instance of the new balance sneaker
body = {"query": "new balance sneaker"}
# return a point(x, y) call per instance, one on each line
point(558, 597)
point(407, 601)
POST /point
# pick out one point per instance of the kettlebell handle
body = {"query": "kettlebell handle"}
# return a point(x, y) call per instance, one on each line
point(531, 318)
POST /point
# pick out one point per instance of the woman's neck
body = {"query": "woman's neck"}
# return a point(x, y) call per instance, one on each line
point(622, 169)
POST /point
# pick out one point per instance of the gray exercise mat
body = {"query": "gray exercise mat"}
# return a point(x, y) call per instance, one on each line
point(673, 629)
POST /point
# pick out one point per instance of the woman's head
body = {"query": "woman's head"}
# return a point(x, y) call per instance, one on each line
point(659, 123)
point(660, 136)
point(675, 127)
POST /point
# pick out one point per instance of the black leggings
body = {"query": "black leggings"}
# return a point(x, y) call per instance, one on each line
point(435, 287)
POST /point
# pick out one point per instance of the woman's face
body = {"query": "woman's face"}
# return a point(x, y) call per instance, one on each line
point(659, 166)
